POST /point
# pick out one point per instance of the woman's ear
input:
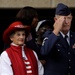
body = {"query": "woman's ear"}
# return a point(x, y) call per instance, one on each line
point(72, 17)
point(11, 38)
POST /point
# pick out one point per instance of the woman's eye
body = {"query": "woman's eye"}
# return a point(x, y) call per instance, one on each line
point(23, 34)
point(18, 34)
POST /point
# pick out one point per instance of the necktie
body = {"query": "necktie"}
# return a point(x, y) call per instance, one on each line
point(66, 40)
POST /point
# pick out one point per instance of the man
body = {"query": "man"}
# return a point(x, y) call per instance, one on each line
point(60, 52)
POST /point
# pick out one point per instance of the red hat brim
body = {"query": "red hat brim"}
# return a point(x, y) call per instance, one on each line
point(9, 30)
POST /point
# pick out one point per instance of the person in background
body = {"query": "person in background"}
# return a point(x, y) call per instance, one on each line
point(60, 50)
point(41, 28)
point(18, 59)
point(29, 16)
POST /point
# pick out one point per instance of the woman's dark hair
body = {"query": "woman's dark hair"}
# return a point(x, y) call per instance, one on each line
point(26, 15)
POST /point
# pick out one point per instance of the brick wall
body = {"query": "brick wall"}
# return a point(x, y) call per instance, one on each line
point(34, 3)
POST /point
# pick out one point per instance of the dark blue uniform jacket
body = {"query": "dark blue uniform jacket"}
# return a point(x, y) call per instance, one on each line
point(60, 59)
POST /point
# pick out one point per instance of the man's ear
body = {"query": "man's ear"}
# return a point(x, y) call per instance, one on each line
point(55, 18)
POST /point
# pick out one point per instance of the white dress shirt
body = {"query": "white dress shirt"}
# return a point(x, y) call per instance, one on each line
point(68, 38)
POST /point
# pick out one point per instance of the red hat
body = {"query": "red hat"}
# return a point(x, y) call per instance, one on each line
point(13, 27)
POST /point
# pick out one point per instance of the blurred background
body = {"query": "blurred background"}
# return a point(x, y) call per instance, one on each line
point(45, 9)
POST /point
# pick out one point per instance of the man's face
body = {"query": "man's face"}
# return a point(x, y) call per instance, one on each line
point(67, 23)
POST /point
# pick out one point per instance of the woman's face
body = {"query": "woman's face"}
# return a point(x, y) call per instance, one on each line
point(18, 37)
point(34, 22)
point(42, 30)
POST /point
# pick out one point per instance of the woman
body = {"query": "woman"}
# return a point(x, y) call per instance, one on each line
point(18, 59)
point(42, 27)
point(28, 16)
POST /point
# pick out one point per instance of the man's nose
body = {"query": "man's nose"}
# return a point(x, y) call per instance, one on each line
point(65, 21)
